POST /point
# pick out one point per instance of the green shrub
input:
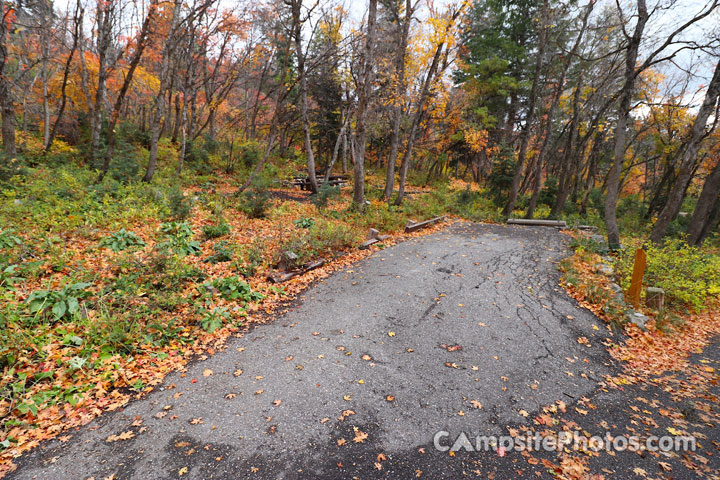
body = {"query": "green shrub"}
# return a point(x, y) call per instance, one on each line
point(161, 335)
point(328, 237)
point(180, 239)
point(60, 304)
point(255, 203)
point(501, 176)
point(8, 239)
point(549, 192)
point(10, 168)
point(180, 206)
point(125, 165)
point(216, 230)
point(221, 253)
point(233, 288)
point(213, 319)
point(687, 274)
point(8, 277)
point(587, 244)
point(325, 193)
point(121, 240)
point(323, 238)
point(251, 257)
point(304, 222)
point(115, 335)
point(250, 153)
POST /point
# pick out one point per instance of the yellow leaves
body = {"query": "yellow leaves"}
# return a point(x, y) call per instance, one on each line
point(360, 436)
point(207, 372)
point(391, 334)
point(476, 404)
point(477, 140)
point(182, 471)
point(123, 436)
point(675, 431)
point(238, 372)
point(196, 421)
point(345, 414)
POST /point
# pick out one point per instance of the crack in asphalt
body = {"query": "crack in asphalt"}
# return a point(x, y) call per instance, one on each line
point(397, 306)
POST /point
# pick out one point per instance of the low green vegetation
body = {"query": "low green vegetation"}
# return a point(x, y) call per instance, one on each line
point(690, 276)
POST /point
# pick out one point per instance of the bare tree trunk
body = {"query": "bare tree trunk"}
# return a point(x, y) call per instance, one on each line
point(104, 38)
point(338, 141)
point(77, 18)
point(183, 140)
point(45, 28)
point(158, 106)
point(362, 109)
point(420, 108)
point(296, 6)
point(84, 81)
point(344, 152)
point(530, 117)
point(398, 106)
point(689, 159)
point(551, 114)
point(178, 119)
point(139, 48)
point(6, 100)
point(613, 233)
point(703, 210)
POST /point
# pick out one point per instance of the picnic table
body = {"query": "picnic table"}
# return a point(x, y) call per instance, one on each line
point(334, 180)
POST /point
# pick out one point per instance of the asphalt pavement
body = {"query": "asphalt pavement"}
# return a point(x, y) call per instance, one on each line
point(462, 330)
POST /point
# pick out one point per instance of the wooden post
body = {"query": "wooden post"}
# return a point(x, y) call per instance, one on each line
point(637, 277)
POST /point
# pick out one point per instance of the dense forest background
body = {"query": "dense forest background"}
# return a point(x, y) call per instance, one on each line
point(554, 107)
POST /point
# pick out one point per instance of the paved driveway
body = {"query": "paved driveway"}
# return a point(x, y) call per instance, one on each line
point(463, 330)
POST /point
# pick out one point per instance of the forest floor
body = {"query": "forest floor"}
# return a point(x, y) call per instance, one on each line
point(465, 330)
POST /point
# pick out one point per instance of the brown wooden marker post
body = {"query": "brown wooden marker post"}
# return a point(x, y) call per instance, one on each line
point(637, 277)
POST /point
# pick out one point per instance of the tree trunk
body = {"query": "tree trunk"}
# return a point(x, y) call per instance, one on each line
point(78, 18)
point(336, 148)
point(703, 210)
point(398, 105)
point(178, 119)
point(556, 99)
point(689, 159)
point(420, 107)
point(158, 107)
point(362, 109)
point(183, 140)
point(626, 94)
point(297, 36)
point(139, 48)
point(6, 101)
point(530, 117)
point(104, 39)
